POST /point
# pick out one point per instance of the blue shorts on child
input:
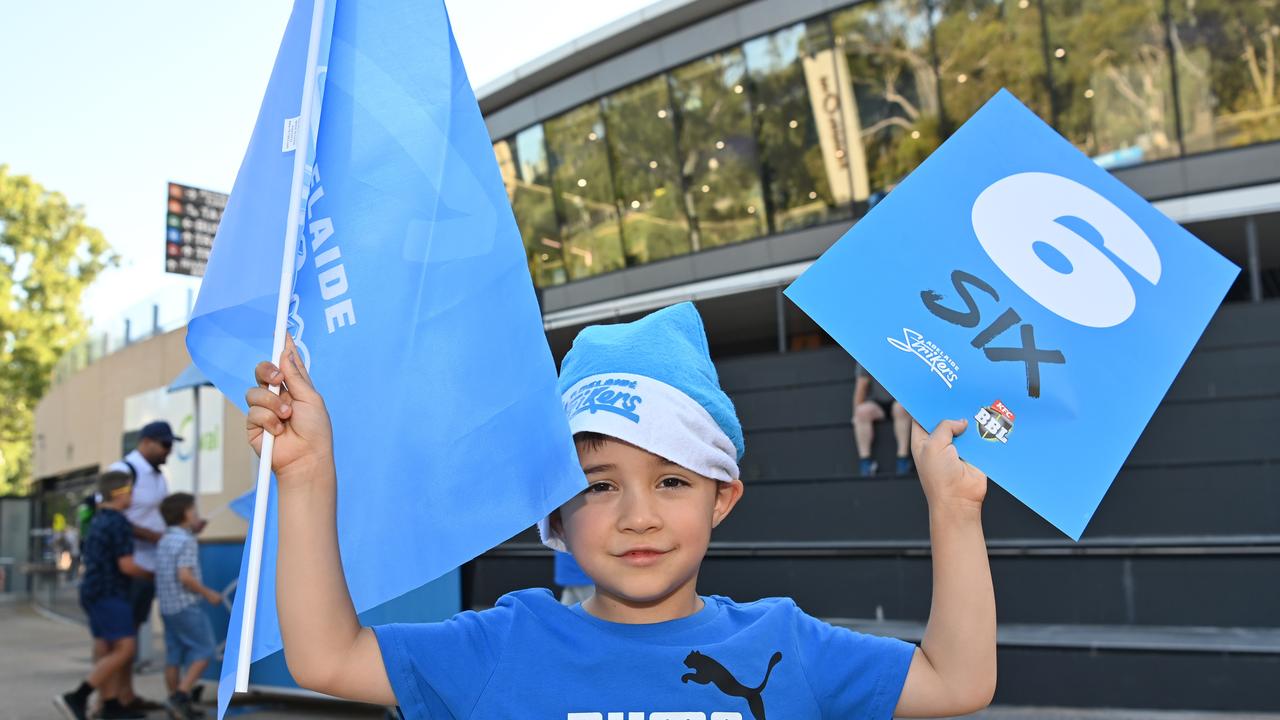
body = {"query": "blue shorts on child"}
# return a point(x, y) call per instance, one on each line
point(188, 637)
point(110, 617)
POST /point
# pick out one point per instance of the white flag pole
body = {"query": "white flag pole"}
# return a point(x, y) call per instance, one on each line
point(292, 223)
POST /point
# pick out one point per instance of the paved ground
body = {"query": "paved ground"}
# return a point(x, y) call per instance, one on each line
point(41, 656)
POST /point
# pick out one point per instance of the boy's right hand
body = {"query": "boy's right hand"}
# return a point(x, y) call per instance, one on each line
point(296, 417)
point(213, 597)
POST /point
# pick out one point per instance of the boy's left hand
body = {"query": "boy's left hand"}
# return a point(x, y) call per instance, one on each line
point(947, 480)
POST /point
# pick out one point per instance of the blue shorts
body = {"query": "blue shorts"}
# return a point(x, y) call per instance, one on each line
point(110, 617)
point(188, 637)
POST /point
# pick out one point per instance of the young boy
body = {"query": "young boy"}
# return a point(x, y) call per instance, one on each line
point(659, 443)
point(104, 595)
point(188, 634)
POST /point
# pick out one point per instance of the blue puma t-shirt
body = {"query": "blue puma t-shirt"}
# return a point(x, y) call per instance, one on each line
point(535, 659)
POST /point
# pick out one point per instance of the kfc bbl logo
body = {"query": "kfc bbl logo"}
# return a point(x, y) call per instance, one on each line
point(995, 422)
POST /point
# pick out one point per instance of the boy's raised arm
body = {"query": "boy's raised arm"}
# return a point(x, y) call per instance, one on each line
point(954, 671)
point(324, 646)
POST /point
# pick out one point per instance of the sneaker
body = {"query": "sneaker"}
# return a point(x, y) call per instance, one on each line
point(196, 694)
point(867, 467)
point(113, 710)
point(71, 706)
point(178, 706)
point(904, 465)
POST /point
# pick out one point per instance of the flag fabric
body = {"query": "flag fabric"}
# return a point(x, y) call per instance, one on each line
point(242, 505)
point(412, 306)
point(1012, 282)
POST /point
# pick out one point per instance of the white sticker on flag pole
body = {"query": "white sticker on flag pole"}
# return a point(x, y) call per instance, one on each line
point(290, 134)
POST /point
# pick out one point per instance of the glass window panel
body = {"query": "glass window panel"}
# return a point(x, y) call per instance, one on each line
point(1111, 79)
point(890, 83)
point(803, 144)
point(642, 139)
point(985, 45)
point(530, 191)
point(717, 146)
point(584, 192)
point(1228, 65)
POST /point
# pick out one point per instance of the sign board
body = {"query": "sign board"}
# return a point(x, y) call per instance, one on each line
point(178, 409)
point(1012, 282)
point(192, 222)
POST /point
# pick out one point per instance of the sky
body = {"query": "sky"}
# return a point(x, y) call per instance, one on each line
point(109, 102)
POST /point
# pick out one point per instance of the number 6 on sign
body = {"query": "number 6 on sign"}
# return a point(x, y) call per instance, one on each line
point(1017, 213)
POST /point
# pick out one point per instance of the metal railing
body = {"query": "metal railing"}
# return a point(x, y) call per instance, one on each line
point(159, 313)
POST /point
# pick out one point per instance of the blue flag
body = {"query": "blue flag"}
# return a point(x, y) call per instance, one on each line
point(412, 305)
point(1012, 282)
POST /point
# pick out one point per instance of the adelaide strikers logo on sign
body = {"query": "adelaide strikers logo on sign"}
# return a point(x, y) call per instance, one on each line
point(939, 362)
point(995, 422)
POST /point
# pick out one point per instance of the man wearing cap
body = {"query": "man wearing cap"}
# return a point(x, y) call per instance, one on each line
point(155, 442)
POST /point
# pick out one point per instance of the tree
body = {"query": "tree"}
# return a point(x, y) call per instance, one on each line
point(48, 256)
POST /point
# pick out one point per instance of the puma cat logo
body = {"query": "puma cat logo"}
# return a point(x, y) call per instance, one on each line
point(707, 670)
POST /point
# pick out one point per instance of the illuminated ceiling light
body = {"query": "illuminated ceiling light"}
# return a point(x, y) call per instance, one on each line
point(719, 144)
point(546, 256)
point(1024, 4)
point(592, 136)
point(662, 113)
point(653, 164)
point(582, 182)
point(915, 134)
point(1088, 93)
point(635, 204)
point(751, 209)
point(793, 124)
point(813, 195)
point(962, 78)
point(840, 154)
point(737, 89)
point(1060, 53)
point(714, 164)
point(706, 188)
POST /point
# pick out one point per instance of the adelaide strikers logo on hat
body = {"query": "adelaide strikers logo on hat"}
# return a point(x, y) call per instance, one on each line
point(615, 395)
point(995, 422)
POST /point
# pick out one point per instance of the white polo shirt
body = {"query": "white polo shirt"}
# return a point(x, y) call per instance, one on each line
point(149, 489)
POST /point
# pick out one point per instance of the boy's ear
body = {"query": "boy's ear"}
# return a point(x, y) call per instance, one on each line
point(727, 496)
point(557, 525)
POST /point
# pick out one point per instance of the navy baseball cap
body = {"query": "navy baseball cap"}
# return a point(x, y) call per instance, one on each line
point(158, 430)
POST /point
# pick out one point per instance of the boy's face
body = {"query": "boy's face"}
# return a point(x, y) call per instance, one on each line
point(642, 526)
point(191, 518)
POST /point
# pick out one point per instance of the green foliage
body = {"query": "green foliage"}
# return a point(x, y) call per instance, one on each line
point(48, 256)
